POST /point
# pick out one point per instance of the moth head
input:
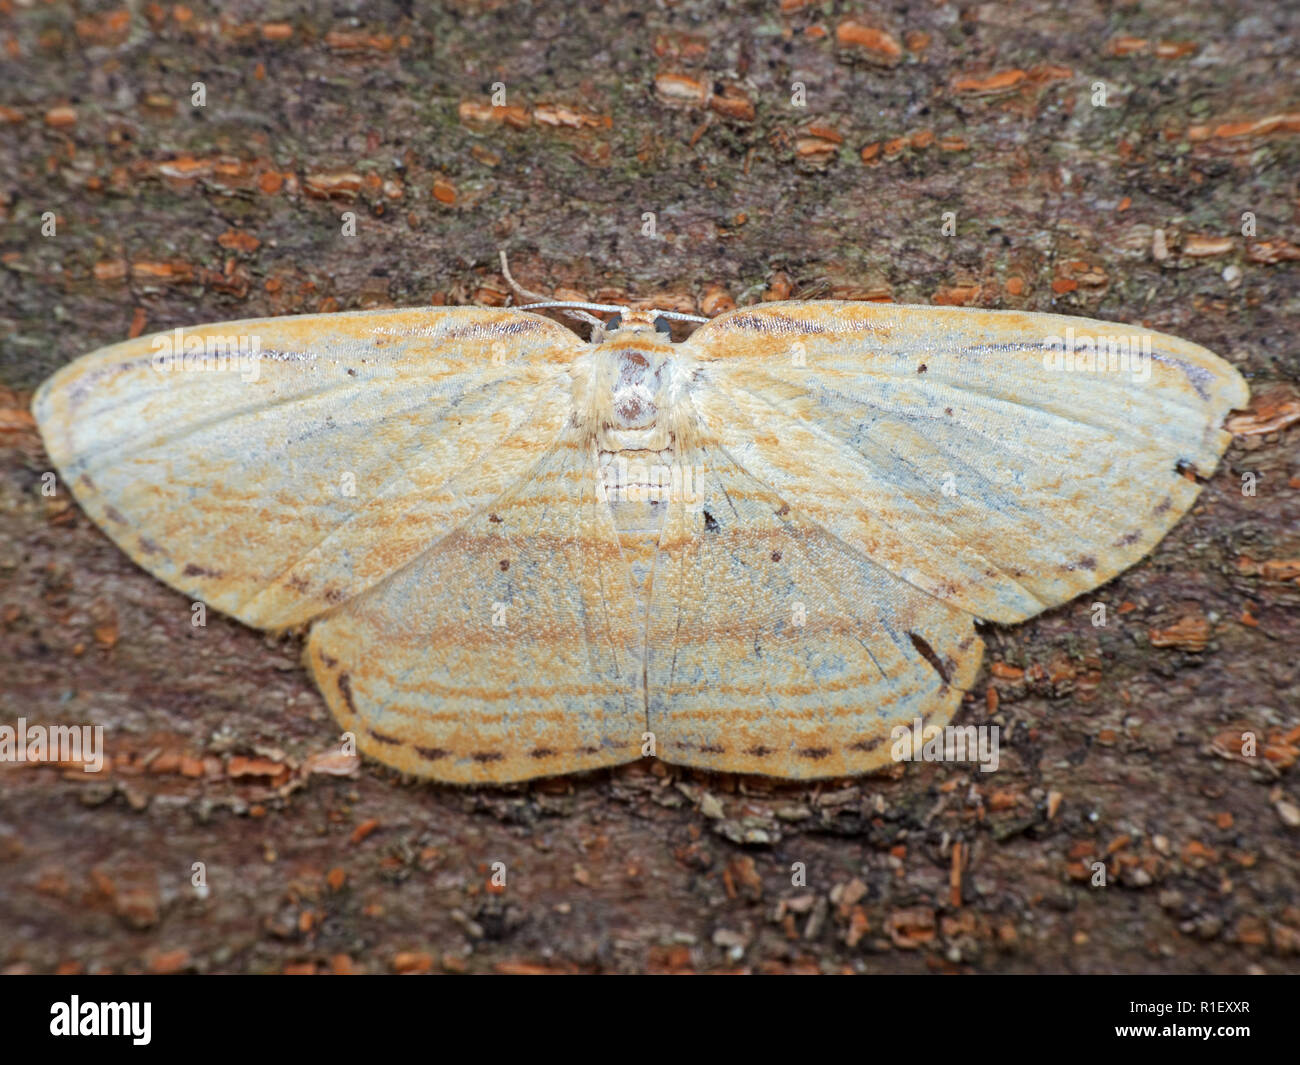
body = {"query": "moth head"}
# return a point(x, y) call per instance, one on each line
point(642, 323)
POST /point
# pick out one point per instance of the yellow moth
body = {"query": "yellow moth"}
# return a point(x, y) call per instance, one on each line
point(757, 550)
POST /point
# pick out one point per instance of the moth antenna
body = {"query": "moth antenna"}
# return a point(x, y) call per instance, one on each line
point(510, 280)
point(680, 316)
point(540, 300)
point(582, 316)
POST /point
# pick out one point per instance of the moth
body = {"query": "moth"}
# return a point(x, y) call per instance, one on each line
point(758, 550)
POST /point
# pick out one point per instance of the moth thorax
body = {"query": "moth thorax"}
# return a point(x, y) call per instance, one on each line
point(635, 402)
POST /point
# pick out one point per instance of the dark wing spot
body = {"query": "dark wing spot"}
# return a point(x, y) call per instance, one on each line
point(1164, 506)
point(112, 514)
point(488, 756)
point(760, 751)
point(924, 649)
point(494, 519)
point(1128, 538)
point(334, 595)
point(776, 556)
point(543, 752)
point(947, 410)
point(431, 753)
point(785, 509)
point(710, 522)
point(866, 746)
point(351, 372)
point(85, 479)
point(815, 753)
point(191, 570)
point(713, 748)
point(504, 564)
point(772, 323)
point(384, 739)
point(148, 546)
point(328, 661)
point(345, 689)
point(922, 368)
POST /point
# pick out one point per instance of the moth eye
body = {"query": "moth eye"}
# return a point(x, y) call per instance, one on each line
point(663, 325)
point(613, 323)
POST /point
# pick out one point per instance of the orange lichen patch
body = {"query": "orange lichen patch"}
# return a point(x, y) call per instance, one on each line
point(779, 287)
point(921, 139)
point(1189, 633)
point(716, 300)
point(166, 273)
point(911, 928)
point(956, 295)
point(1269, 412)
point(239, 240)
point(1273, 569)
point(817, 145)
point(513, 115)
point(444, 191)
point(183, 168)
point(334, 185)
point(336, 878)
point(1081, 272)
point(11, 116)
point(364, 829)
point(1204, 246)
point(1125, 45)
point(358, 42)
point(61, 117)
point(874, 45)
point(1007, 80)
point(1045, 73)
point(687, 47)
point(14, 416)
point(661, 301)
point(1259, 127)
point(111, 27)
point(732, 102)
point(1269, 252)
point(412, 962)
point(870, 152)
point(1128, 46)
point(917, 41)
point(159, 103)
point(953, 144)
point(1005, 672)
point(1015, 286)
point(1004, 799)
point(681, 90)
point(240, 766)
point(167, 962)
point(988, 85)
point(276, 31)
point(559, 116)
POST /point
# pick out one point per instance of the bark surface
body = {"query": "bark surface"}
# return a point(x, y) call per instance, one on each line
point(1134, 163)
